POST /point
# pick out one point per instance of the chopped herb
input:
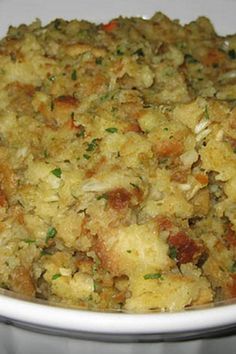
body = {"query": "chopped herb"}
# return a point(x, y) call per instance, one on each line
point(97, 287)
point(181, 45)
point(74, 75)
point(29, 241)
point(72, 115)
point(163, 160)
point(56, 276)
point(173, 252)
point(80, 129)
point(190, 59)
point(134, 185)
point(165, 129)
point(153, 276)
point(52, 78)
point(234, 150)
point(83, 33)
point(111, 130)
point(45, 253)
point(233, 267)
point(81, 133)
point(87, 157)
point(232, 54)
point(206, 113)
point(104, 97)
point(52, 106)
point(119, 51)
point(51, 233)
point(57, 172)
point(114, 109)
point(92, 146)
point(103, 196)
point(128, 251)
point(99, 60)
point(139, 52)
point(45, 154)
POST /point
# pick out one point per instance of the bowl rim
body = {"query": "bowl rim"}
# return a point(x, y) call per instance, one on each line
point(41, 314)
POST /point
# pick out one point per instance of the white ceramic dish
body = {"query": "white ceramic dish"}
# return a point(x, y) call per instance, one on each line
point(32, 327)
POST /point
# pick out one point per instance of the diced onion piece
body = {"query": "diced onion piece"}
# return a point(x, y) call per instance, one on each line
point(65, 272)
point(51, 198)
point(203, 134)
point(189, 157)
point(225, 45)
point(184, 187)
point(201, 125)
point(229, 75)
point(22, 152)
point(220, 135)
point(94, 186)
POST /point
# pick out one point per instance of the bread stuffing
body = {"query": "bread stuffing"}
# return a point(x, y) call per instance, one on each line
point(118, 163)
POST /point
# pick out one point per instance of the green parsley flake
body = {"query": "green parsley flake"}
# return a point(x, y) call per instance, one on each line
point(74, 75)
point(233, 267)
point(134, 185)
point(52, 78)
point(99, 60)
point(119, 51)
point(57, 172)
point(104, 97)
point(92, 146)
point(44, 253)
point(51, 233)
point(206, 113)
point(173, 252)
point(153, 276)
point(112, 130)
point(45, 154)
point(139, 52)
point(190, 59)
point(56, 276)
point(103, 196)
point(87, 157)
point(29, 241)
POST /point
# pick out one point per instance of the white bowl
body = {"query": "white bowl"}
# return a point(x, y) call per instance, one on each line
point(35, 327)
